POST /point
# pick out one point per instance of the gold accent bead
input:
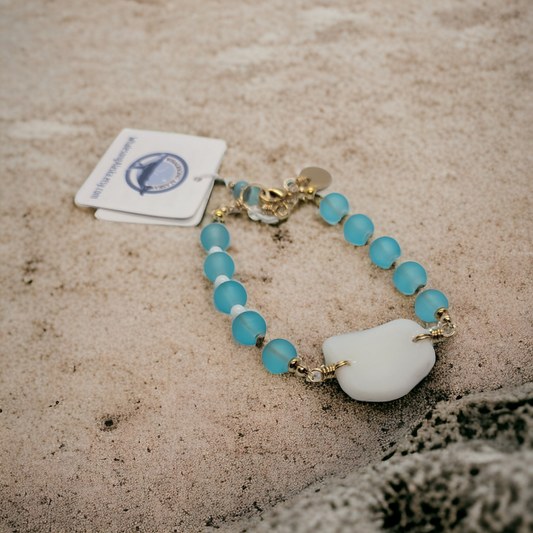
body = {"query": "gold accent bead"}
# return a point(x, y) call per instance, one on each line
point(301, 371)
point(442, 313)
point(293, 364)
point(219, 214)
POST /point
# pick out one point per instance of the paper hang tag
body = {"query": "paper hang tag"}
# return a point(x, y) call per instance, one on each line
point(131, 218)
point(153, 177)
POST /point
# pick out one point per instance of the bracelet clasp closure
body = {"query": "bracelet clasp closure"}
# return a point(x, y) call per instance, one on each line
point(273, 205)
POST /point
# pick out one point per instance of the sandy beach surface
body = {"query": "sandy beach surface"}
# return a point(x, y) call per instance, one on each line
point(125, 404)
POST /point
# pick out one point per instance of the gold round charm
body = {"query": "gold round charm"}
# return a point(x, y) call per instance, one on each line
point(316, 177)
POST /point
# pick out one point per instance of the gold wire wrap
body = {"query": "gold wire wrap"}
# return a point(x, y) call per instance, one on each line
point(315, 375)
point(328, 372)
point(444, 329)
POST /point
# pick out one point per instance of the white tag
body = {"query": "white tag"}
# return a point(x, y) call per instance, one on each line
point(152, 174)
point(131, 218)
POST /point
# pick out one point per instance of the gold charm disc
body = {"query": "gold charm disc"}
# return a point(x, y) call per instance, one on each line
point(316, 177)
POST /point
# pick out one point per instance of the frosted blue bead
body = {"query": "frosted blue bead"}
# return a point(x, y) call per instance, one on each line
point(247, 327)
point(409, 277)
point(219, 264)
point(358, 229)
point(251, 195)
point(228, 294)
point(215, 234)
point(384, 251)
point(277, 355)
point(428, 302)
point(239, 186)
point(333, 207)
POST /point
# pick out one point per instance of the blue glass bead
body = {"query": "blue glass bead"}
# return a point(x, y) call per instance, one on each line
point(228, 294)
point(358, 229)
point(239, 186)
point(428, 302)
point(409, 277)
point(215, 234)
point(251, 195)
point(333, 207)
point(247, 327)
point(218, 264)
point(277, 355)
point(384, 251)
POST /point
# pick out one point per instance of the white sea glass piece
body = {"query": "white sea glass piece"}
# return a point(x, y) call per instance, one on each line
point(385, 362)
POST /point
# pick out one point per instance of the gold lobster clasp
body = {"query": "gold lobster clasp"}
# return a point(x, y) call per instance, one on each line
point(278, 202)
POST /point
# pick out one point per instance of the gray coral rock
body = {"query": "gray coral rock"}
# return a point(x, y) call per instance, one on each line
point(467, 467)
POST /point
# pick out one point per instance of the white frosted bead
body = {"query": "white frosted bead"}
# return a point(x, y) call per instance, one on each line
point(214, 249)
point(236, 310)
point(385, 362)
point(220, 280)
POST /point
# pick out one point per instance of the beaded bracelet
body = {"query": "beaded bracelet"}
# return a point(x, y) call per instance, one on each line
point(377, 365)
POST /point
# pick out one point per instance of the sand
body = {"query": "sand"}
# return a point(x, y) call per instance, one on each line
point(125, 402)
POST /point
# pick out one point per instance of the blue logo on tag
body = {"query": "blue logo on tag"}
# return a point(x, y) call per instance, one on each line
point(157, 173)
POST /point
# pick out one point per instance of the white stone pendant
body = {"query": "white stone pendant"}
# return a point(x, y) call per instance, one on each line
point(385, 362)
